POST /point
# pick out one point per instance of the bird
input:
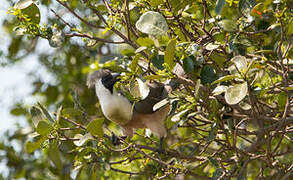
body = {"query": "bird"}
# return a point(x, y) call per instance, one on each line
point(120, 110)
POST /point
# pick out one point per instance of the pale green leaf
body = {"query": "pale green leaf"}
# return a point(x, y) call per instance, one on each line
point(236, 93)
point(22, 4)
point(160, 104)
point(152, 23)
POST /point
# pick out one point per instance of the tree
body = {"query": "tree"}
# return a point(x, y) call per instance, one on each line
point(231, 117)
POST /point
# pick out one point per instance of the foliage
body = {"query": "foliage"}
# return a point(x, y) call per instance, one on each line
point(231, 117)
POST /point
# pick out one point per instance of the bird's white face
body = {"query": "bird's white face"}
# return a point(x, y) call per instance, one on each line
point(115, 107)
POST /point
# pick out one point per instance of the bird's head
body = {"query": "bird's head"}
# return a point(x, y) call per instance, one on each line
point(107, 78)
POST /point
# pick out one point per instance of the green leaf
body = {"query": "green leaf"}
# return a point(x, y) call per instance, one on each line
point(33, 13)
point(44, 128)
point(127, 52)
point(36, 114)
point(45, 112)
point(54, 155)
point(212, 46)
point(218, 173)
point(225, 78)
point(213, 161)
point(290, 28)
point(95, 127)
point(82, 139)
point(207, 75)
point(188, 64)
point(170, 53)
point(145, 41)
point(245, 6)
point(22, 4)
point(228, 25)
point(152, 23)
point(158, 61)
point(241, 64)
point(219, 6)
point(236, 93)
point(31, 147)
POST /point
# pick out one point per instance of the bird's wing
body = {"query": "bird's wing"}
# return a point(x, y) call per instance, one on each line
point(157, 93)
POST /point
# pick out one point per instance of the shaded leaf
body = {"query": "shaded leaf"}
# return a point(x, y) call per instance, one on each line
point(207, 75)
point(158, 61)
point(245, 6)
point(228, 25)
point(219, 6)
point(188, 64)
point(54, 155)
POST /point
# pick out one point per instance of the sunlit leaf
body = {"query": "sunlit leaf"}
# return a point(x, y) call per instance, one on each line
point(143, 88)
point(95, 127)
point(82, 139)
point(31, 147)
point(170, 53)
point(219, 90)
point(225, 78)
point(152, 23)
point(145, 41)
point(241, 64)
point(22, 4)
point(236, 93)
point(212, 46)
point(44, 128)
point(160, 104)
